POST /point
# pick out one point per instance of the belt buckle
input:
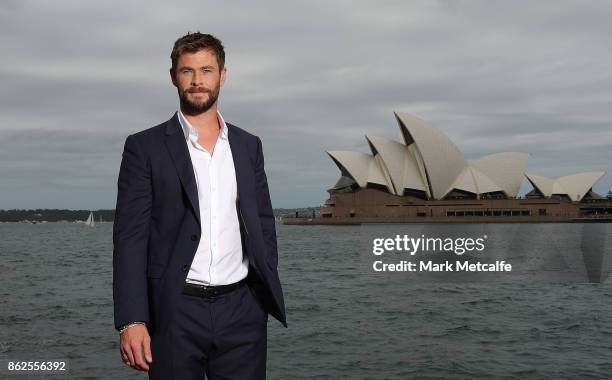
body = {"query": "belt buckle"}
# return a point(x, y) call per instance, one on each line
point(209, 293)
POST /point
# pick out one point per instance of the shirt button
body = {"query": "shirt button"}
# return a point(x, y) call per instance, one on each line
point(194, 237)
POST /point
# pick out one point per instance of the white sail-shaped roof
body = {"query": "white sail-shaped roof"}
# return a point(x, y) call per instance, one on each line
point(484, 184)
point(543, 184)
point(465, 182)
point(359, 166)
point(575, 186)
point(474, 181)
point(399, 163)
point(506, 169)
point(442, 160)
point(428, 161)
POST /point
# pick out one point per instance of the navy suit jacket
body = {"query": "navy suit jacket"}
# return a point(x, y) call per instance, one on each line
point(157, 224)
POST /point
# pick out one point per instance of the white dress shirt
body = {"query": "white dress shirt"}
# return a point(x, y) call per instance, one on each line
point(218, 259)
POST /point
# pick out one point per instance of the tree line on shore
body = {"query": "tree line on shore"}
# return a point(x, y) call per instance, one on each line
point(56, 215)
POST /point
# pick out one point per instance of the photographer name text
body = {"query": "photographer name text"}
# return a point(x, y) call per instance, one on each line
point(447, 266)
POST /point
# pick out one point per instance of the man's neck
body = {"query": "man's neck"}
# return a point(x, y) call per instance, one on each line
point(205, 121)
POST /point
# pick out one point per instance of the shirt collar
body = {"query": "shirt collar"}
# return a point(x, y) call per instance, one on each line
point(189, 130)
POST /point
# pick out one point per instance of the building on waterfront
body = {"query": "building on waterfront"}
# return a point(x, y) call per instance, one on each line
point(426, 177)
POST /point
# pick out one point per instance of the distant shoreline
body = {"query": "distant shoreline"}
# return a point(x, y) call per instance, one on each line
point(108, 215)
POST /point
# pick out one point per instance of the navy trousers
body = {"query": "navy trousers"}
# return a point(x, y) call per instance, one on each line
point(224, 338)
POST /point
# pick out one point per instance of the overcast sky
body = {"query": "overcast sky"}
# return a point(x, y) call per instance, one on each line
point(77, 77)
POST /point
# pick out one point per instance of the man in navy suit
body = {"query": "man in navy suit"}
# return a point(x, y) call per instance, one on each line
point(194, 241)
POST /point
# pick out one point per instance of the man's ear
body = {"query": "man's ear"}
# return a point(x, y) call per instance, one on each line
point(173, 77)
point(223, 74)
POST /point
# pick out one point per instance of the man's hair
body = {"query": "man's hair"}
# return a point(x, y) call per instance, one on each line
point(194, 42)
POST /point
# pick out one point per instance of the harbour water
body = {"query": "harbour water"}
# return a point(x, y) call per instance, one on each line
point(56, 302)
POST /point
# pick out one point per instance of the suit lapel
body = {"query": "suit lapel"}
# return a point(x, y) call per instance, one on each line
point(177, 146)
point(241, 160)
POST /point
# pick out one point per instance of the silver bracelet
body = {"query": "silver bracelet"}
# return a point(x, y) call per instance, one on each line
point(125, 327)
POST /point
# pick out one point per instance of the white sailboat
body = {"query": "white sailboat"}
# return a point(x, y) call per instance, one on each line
point(90, 220)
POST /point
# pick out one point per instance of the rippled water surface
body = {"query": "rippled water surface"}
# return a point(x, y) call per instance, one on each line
point(57, 301)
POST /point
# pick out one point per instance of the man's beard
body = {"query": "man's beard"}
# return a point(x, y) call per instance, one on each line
point(198, 108)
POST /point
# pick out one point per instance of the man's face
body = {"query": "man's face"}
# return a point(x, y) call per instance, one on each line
point(198, 80)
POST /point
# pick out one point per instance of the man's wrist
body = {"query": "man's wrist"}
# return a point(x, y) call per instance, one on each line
point(128, 325)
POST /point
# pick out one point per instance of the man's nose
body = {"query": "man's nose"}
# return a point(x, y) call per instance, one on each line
point(197, 78)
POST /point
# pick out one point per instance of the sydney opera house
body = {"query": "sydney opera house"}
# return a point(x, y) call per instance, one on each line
point(426, 178)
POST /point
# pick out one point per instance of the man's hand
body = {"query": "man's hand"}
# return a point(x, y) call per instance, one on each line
point(135, 347)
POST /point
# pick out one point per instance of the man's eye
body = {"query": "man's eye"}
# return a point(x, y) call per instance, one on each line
point(186, 71)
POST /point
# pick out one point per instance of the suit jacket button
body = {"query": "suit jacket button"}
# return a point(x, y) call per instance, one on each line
point(194, 237)
point(185, 267)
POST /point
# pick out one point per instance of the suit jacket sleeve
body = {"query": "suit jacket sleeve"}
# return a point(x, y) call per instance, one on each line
point(264, 204)
point(131, 235)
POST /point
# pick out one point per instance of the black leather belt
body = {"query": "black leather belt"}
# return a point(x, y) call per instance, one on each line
point(205, 291)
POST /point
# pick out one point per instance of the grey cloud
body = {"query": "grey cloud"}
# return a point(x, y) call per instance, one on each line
point(78, 77)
